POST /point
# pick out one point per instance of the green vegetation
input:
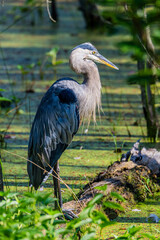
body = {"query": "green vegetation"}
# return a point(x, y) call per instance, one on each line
point(31, 216)
point(139, 19)
point(121, 123)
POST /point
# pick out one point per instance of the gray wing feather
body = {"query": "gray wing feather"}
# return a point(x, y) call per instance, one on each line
point(55, 123)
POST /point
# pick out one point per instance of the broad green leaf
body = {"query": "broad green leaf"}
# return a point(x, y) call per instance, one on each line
point(133, 230)
point(96, 199)
point(101, 219)
point(89, 236)
point(5, 99)
point(59, 221)
point(62, 231)
point(149, 236)
point(113, 205)
point(82, 222)
point(86, 211)
point(118, 196)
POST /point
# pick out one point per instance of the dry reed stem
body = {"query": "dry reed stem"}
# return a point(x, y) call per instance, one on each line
point(60, 179)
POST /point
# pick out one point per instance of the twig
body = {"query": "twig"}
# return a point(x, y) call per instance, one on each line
point(49, 14)
point(149, 55)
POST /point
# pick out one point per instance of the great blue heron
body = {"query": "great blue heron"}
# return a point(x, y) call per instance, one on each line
point(62, 109)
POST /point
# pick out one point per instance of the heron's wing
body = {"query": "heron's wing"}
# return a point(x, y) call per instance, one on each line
point(55, 123)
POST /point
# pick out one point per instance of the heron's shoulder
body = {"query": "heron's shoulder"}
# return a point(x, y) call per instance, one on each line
point(62, 91)
point(60, 85)
point(64, 79)
point(66, 82)
point(65, 86)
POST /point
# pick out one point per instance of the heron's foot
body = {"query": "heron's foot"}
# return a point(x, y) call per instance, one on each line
point(68, 214)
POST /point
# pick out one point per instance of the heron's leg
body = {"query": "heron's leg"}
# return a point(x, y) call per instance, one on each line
point(57, 187)
point(55, 184)
point(57, 192)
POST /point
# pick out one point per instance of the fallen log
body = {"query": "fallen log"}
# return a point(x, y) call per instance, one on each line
point(149, 158)
point(135, 177)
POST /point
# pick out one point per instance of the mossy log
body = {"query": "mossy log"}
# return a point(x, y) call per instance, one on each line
point(133, 179)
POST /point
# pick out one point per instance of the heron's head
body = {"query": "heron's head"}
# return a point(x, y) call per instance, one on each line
point(87, 52)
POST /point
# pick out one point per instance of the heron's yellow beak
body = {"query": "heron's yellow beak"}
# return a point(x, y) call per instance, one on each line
point(105, 61)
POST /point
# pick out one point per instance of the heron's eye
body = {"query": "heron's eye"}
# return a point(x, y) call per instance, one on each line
point(93, 52)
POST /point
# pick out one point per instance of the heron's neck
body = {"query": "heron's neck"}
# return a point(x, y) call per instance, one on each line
point(92, 92)
point(92, 78)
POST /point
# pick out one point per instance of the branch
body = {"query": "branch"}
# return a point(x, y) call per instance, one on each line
point(49, 14)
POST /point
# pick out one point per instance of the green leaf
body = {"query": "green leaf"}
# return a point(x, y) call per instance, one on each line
point(53, 54)
point(20, 67)
point(63, 231)
point(82, 222)
point(102, 188)
point(59, 221)
point(89, 236)
point(101, 219)
point(113, 205)
point(96, 199)
point(30, 66)
point(149, 236)
point(5, 99)
point(2, 90)
point(21, 111)
point(86, 212)
point(11, 195)
point(50, 211)
point(133, 230)
point(59, 62)
point(118, 196)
